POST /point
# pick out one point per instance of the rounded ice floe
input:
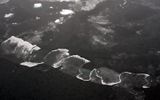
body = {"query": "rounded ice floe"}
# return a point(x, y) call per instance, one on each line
point(72, 64)
point(108, 76)
point(84, 74)
point(54, 57)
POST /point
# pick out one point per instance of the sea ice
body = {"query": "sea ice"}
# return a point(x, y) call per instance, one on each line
point(8, 15)
point(37, 5)
point(66, 12)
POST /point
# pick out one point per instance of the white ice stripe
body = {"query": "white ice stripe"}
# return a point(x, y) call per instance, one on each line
point(30, 64)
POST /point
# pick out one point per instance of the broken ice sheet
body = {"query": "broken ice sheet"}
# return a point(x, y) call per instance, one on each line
point(108, 76)
point(103, 76)
point(18, 47)
point(90, 4)
point(94, 77)
point(84, 74)
point(138, 80)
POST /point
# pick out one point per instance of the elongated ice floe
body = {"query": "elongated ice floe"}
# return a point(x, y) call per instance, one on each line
point(66, 12)
point(8, 15)
point(31, 64)
point(72, 65)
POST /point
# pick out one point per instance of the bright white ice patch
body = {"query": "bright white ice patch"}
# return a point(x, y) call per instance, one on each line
point(51, 7)
point(69, 0)
point(37, 5)
point(30, 64)
point(66, 12)
point(37, 18)
point(8, 15)
point(4, 1)
point(59, 21)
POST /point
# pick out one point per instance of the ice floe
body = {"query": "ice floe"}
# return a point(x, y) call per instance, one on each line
point(54, 57)
point(66, 12)
point(37, 5)
point(59, 21)
point(30, 64)
point(18, 47)
point(8, 15)
point(72, 64)
point(4, 1)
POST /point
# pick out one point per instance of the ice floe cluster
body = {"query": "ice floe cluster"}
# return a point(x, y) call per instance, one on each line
point(73, 65)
